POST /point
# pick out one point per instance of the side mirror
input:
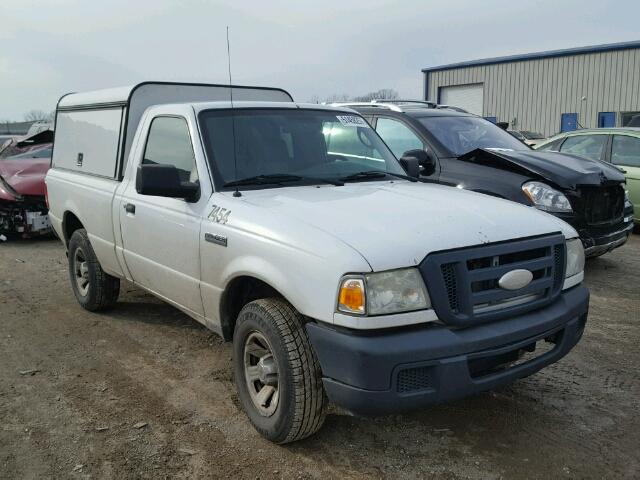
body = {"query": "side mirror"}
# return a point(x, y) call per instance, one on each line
point(411, 166)
point(164, 181)
point(426, 160)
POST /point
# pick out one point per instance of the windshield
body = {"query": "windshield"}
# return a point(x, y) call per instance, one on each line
point(311, 144)
point(461, 135)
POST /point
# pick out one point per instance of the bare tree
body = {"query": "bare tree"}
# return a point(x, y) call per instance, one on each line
point(337, 97)
point(36, 115)
point(382, 94)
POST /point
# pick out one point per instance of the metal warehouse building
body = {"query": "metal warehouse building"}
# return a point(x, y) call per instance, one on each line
point(547, 92)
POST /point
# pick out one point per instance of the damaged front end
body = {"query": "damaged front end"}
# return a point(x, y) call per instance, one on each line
point(599, 210)
point(22, 215)
point(27, 218)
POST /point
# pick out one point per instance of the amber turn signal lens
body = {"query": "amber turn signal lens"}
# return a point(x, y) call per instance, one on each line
point(352, 299)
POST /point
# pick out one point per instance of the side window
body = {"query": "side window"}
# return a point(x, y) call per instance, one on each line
point(350, 142)
point(398, 136)
point(590, 146)
point(169, 143)
point(625, 150)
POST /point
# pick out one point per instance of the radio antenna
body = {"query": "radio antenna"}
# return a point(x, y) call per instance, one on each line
point(233, 119)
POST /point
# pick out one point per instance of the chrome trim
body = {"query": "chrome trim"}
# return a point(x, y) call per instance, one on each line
point(510, 302)
point(573, 280)
point(361, 322)
point(611, 245)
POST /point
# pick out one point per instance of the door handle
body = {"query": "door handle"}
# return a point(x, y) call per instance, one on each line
point(130, 208)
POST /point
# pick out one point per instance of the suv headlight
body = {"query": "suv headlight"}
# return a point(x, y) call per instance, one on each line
point(383, 293)
point(546, 198)
point(575, 258)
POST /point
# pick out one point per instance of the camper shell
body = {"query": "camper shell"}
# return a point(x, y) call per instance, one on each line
point(105, 121)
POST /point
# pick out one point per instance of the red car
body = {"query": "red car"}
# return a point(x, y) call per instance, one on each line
point(23, 208)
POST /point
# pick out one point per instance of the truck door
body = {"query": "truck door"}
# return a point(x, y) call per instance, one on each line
point(160, 235)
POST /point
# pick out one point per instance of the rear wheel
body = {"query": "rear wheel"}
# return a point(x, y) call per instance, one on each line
point(94, 289)
point(276, 372)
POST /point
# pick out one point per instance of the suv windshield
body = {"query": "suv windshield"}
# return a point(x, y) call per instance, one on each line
point(292, 145)
point(461, 135)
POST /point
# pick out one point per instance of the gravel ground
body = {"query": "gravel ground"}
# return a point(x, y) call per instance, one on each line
point(145, 392)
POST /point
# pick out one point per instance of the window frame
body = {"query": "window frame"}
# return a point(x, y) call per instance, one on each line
point(148, 133)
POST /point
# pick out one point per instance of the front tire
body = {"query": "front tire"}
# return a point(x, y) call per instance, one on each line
point(276, 372)
point(94, 289)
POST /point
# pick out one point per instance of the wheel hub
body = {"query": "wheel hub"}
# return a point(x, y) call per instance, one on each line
point(81, 270)
point(261, 374)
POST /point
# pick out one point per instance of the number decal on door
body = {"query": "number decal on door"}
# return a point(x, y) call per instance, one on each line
point(219, 214)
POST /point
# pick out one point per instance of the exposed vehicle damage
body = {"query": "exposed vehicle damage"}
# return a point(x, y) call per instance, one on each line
point(23, 209)
point(599, 208)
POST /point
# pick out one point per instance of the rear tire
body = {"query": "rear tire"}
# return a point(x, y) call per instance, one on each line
point(276, 372)
point(94, 289)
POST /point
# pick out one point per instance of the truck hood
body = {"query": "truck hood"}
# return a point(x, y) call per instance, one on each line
point(396, 224)
point(22, 177)
point(562, 169)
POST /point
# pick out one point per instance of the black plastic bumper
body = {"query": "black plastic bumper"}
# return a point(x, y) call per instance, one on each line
point(372, 373)
point(600, 239)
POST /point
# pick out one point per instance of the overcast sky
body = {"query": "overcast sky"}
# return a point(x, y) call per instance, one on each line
point(49, 47)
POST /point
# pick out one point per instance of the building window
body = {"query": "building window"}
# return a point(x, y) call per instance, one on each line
point(630, 119)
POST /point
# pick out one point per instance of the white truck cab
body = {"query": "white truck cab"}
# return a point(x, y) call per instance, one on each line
point(294, 232)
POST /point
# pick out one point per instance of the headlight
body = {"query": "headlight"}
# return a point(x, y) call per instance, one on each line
point(382, 293)
point(575, 258)
point(546, 198)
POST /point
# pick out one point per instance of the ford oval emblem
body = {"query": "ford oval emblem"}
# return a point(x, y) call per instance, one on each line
point(515, 279)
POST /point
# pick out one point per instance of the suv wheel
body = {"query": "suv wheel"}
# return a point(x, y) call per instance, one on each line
point(276, 372)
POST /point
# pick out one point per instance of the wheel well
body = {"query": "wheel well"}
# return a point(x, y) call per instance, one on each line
point(71, 223)
point(239, 292)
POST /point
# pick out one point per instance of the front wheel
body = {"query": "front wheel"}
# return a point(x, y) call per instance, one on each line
point(276, 372)
point(94, 289)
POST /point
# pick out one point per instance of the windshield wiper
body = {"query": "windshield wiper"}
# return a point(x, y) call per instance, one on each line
point(375, 174)
point(278, 179)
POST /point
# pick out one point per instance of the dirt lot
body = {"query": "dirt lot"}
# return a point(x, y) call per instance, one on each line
point(99, 377)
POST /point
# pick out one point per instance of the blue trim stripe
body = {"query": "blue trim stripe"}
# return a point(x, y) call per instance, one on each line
point(608, 47)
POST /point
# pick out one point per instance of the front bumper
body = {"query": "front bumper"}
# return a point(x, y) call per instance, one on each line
point(26, 217)
point(598, 240)
point(376, 373)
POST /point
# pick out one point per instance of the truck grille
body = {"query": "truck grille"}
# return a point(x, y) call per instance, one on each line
point(463, 284)
point(602, 204)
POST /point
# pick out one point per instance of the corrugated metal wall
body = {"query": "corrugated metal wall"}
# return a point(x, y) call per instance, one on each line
point(535, 92)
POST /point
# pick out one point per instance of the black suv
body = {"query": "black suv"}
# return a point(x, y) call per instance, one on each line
point(466, 151)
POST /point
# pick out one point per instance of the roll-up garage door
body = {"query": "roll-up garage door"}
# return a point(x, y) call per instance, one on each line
point(468, 97)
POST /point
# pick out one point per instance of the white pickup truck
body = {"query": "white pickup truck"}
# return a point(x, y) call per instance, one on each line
point(292, 231)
